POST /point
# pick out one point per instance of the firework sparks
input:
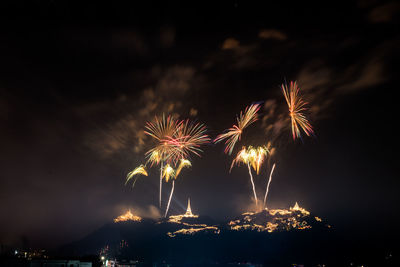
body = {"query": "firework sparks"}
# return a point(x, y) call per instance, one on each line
point(154, 157)
point(297, 106)
point(233, 134)
point(176, 140)
point(162, 129)
point(183, 163)
point(138, 170)
point(253, 157)
point(168, 172)
point(163, 152)
point(188, 138)
point(260, 155)
point(267, 190)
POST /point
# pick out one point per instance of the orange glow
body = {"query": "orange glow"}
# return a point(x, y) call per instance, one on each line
point(190, 228)
point(188, 214)
point(128, 216)
point(298, 208)
point(279, 211)
point(271, 220)
point(191, 231)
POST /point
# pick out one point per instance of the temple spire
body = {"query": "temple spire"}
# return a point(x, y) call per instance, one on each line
point(188, 210)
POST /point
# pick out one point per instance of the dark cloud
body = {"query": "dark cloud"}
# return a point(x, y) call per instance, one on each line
point(324, 85)
point(129, 40)
point(166, 96)
point(272, 34)
point(167, 36)
point(384, 13)
point(230, 43)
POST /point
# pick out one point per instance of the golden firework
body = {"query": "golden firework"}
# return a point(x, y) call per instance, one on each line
point(138, 170)
point(297, 107)
point(252, 156)
point(184, 163)
point(233, 134)
point(168, 172)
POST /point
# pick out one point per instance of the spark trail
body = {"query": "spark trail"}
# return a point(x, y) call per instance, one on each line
point(184, 163)
point(233, 134)
point(267, 190)
point(138, 170)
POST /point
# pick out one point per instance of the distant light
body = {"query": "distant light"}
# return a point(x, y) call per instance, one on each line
point(16, 252)
point(102, 258)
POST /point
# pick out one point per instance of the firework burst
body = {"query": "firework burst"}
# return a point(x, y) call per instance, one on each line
point(168, 172)
point(297, 107)
point(161, 129)
point(253, 157)
point(187, 139)
point(176, 140)
point(184, 163)
point(233, 134)
point(138, 170)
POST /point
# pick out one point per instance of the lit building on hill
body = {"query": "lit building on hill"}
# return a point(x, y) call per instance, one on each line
point(128, 216)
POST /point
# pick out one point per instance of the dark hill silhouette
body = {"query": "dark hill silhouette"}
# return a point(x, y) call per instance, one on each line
point(266, 237)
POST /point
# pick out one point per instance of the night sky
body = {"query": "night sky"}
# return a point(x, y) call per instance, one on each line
point(78, 82)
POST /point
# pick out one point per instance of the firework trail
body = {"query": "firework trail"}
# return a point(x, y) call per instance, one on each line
point(176, 140)
point(269, 181)
point(169, 199)
point(154, 157)
point(297, 106)
point(160, 191)
point(233, 134)
point(252, 183)
point(161, 129)
point(138, 170)
point(187, 139)
point(184, 163)
point(253, 157)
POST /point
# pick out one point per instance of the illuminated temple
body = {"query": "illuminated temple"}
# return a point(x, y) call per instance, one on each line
point(188, 214)
point(190, 224)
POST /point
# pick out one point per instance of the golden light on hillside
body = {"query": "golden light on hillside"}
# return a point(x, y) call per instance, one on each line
point(190, 227)
point(192, 231)
point(298, 208)
point(188, 214)
point(318, 219)
point(128, 216)
point(271, 220)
